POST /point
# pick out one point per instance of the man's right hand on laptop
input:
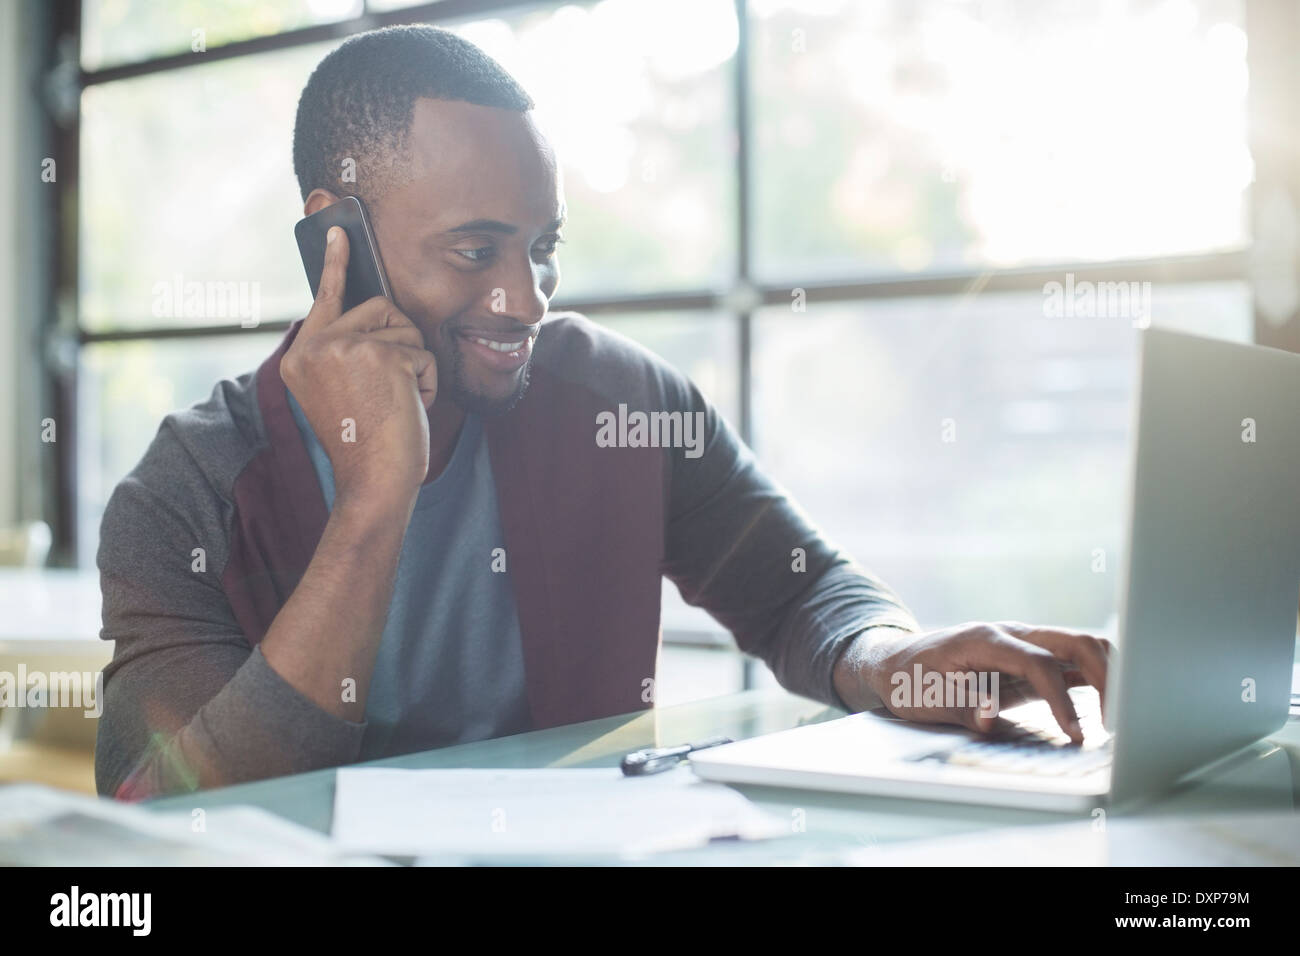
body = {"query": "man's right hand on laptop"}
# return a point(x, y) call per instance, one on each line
point(1030, 662)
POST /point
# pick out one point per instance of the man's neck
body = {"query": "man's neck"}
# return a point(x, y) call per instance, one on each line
point(445, 421)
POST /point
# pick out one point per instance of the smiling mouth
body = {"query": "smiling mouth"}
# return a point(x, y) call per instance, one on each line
point(506, 347)
point(496, 353)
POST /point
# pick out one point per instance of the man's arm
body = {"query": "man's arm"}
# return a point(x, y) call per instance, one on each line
point(737, 546)
point(187, 703)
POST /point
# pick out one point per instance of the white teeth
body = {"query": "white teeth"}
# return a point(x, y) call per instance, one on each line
point(499, 346)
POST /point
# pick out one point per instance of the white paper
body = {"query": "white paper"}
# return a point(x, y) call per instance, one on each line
point(527, 813)
point(41, 826)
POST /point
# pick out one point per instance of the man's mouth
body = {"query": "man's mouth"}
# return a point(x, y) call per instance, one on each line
point(498, 346)
point(500, 352)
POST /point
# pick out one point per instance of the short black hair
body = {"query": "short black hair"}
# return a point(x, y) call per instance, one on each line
point(359, 102)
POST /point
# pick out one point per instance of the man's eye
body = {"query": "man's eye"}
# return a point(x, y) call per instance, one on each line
point(481, 254)
point(547, 246)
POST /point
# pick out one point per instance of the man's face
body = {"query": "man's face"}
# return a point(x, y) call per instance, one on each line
point(469, 245)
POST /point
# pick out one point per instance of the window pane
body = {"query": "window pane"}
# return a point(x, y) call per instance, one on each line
point(703, 346)
point(973, 452)
point(125, 389)
point(934, 135)
point(685, 674)
point(187, 177)
point(128, 31)
point(638, 108)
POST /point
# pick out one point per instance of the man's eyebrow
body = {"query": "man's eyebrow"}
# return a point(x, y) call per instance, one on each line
point(495, 225)
point(485, 225)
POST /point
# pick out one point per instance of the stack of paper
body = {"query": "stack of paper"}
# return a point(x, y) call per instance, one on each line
point(504, 814)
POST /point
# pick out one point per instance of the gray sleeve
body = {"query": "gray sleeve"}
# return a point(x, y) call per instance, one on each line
point(739, 547)
point(187, 703)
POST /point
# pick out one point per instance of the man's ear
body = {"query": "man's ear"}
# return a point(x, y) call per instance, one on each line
point(317, 200)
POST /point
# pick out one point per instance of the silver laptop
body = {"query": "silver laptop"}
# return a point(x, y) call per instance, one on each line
point(1207, 620)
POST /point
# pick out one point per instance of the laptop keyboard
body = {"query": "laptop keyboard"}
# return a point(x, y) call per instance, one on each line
point(1038, 749)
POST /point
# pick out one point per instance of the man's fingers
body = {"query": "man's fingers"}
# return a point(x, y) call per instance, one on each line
point(1042, 671)
point(1091, 655)
point(979, 719)
point(371, 316)
point(422, 365)
point(407, 335)
point(333, 280)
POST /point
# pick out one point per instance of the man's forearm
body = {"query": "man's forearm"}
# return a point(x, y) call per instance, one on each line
point(283, 709)
point(329, 630)
point(256, 726)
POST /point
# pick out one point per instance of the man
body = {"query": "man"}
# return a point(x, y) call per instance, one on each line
point(413, 533)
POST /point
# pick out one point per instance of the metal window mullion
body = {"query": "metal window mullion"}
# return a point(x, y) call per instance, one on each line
point(59, 373)
point(744, 261)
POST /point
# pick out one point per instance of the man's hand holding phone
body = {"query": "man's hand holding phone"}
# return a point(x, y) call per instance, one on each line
point(364, 381)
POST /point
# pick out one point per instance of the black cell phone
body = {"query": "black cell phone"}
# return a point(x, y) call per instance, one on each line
point(365, 277)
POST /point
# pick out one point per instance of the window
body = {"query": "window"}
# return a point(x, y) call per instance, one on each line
point(841, 219)
point(939, 136)
point(972, 451)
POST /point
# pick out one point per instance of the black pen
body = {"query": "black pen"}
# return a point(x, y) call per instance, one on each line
point(641, 762)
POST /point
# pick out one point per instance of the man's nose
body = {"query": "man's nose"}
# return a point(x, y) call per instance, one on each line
point(521, 293)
